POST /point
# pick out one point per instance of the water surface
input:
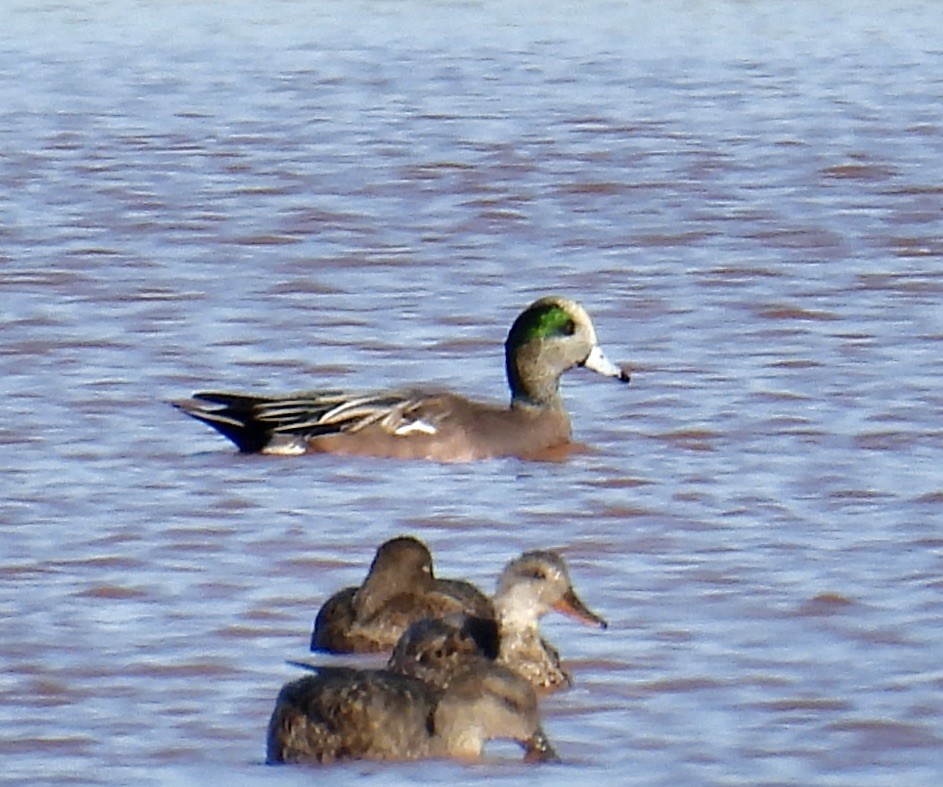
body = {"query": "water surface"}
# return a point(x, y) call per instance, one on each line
point(266, 197)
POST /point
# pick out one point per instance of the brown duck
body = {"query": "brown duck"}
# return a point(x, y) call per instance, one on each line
point(343, 714)
point(529, 587)
point(399, 589)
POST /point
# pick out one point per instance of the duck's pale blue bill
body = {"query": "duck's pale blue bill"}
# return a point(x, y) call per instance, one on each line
point(600, 364)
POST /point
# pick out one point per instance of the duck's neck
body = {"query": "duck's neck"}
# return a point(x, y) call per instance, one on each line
point(517, 612)
point(375, 592)
point(454, 735)
point(532, 384)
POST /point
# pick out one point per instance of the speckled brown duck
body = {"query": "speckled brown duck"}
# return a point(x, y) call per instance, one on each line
point(399, 589)
point(548, 338)
point(528, 588)
point(344, 714)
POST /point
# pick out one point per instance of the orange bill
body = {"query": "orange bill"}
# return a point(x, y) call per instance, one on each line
point(572, 605)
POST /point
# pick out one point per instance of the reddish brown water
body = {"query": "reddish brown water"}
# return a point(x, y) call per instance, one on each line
point(274, 196)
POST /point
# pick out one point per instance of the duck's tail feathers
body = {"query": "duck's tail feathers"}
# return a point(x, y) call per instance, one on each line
point(232, 415)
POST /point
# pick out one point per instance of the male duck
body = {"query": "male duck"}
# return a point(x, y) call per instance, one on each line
point(344, 713)
point(549, 337)
point(399, 588)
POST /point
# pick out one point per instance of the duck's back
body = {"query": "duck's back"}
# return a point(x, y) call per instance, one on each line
point(339, 629)
point(446, 427)
point(333, 627)
point(388, 624)
point(343, 713)
point(473, 602)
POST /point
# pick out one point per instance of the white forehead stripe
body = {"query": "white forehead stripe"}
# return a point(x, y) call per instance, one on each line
point(581, 316)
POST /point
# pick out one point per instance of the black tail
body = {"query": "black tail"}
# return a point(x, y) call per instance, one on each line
point(232, 415)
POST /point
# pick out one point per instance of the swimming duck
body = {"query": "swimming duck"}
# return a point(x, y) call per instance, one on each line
point(528, 588)
point(399, 588)
point(342, 713)
point(549, 337)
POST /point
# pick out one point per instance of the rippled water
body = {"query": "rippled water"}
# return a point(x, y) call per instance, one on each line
point(272, 196)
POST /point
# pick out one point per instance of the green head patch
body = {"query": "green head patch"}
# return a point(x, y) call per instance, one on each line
point(543, 321)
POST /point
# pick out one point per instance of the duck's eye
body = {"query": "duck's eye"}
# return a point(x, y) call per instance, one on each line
point(568, 328)
point(512, 704)
point(539, 573)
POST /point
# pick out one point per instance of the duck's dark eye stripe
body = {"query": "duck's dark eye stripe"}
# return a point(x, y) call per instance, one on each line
point(568, 328)
point(512, 704)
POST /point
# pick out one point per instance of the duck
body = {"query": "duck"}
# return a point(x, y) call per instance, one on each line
point(343, 713)
point(399, 588)
point(551, 336)
point(528, 588)
point(435, 650)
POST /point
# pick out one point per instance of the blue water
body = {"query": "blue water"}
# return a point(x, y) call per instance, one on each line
point(265, 197)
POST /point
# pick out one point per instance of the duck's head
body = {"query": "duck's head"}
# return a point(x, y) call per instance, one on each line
point(533, 584)
point(549, 337)
point(401, 565)
point(489, 702)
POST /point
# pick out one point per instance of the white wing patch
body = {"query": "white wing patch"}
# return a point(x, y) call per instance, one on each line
point(423, 427)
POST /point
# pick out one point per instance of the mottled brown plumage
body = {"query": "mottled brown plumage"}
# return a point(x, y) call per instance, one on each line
point(528, 588)
point(343, 714)
point(436, 651)
point(399, 589)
